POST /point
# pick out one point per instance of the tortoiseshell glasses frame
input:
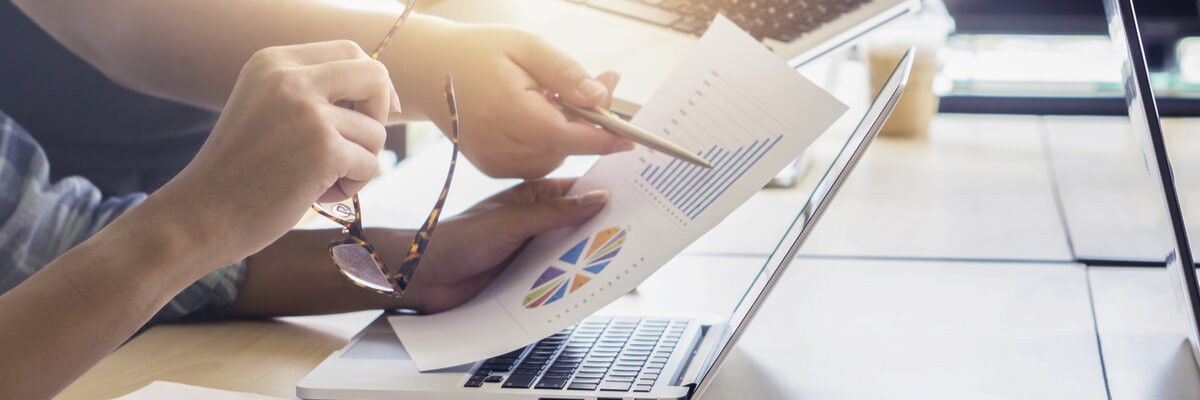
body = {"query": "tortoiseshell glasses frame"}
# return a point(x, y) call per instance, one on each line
point(357, 259)
point(354, 256)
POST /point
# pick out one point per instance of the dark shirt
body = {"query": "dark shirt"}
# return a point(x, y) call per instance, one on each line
point(121, 140)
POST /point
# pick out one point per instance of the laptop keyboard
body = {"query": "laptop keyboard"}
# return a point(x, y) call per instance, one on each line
point(597, 354)
point(782, 20)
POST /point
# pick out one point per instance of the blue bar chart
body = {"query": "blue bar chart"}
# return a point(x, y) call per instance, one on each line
point(691, 189)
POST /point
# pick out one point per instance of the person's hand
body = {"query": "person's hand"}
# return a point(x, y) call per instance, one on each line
point(468, 251)
point(282, 143)
point(502, 75)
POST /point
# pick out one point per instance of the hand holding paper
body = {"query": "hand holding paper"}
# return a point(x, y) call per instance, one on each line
point(734, 104)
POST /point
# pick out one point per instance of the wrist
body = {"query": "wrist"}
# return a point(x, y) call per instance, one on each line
point(144, 257)
point(418, 65)
point(186, 227)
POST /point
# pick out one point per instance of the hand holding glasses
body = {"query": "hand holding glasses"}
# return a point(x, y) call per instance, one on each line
point(354, 256)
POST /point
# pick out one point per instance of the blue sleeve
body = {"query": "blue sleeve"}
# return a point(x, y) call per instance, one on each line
point(40, 220)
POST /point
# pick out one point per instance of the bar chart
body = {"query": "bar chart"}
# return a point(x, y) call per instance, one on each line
point(691, 189)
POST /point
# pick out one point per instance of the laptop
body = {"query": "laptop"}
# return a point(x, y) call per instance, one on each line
point(645, 39)
point(1143, 115)
point(601, 357)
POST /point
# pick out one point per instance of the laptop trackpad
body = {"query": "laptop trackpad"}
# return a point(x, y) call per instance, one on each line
point(382, 344)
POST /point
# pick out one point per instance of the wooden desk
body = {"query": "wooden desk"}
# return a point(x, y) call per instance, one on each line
point(1142, 335)
point(1110, 204)
point(832, 329)
point(266, 357)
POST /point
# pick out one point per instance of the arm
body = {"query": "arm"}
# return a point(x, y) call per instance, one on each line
point(191, 51)
point(282, 144)
point(84, 304)
point(295, 275)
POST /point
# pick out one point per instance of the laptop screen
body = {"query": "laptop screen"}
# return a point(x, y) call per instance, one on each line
point(785, 251)
point(1143, 116)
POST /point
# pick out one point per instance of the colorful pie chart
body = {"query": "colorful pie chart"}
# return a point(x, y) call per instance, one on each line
point(576, 267)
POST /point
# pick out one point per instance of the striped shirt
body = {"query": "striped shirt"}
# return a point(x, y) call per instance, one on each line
point(40, 220)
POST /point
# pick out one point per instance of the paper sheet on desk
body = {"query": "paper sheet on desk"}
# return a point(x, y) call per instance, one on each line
point(733, 102)
point(163, 390)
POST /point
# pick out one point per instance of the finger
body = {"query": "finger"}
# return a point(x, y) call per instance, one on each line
point(364, 82)
point(322, 52)
point(610, 80)
point(525, 221)
point(558, 72)
point(357, 167)
point(357, 128)
point(546, 123)
point(533, 191)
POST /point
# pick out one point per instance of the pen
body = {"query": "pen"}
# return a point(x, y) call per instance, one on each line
point(612, 123)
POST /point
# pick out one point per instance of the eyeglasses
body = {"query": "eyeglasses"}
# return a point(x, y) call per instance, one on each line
point(354, 256)
point(357, 259)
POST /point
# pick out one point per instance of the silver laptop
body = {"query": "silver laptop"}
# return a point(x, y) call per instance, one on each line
point(645, 39)
point(630, 357)
point(1143, 115)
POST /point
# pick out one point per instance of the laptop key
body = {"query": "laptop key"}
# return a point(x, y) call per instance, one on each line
point(551, 383)
point(615, 386)
point(522, 381)
point(582, 386)
point(615, 378)
point(633, 9)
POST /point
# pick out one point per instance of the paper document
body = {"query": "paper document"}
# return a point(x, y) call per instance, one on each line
point(163, 390)
point(734, 103)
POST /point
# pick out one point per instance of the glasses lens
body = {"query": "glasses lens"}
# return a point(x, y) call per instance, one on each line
point(357, 263)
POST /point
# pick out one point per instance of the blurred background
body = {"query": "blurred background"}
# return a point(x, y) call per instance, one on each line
point(1053, 57)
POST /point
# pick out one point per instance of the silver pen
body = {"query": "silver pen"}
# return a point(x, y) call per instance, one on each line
point(613, 123)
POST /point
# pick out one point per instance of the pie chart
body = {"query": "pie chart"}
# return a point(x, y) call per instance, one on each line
point(576, 267)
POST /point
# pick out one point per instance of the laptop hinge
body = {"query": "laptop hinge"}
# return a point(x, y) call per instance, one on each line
point(697, 362)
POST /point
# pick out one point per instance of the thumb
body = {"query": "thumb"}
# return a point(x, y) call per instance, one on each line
point(555, 71)
point(529, 220)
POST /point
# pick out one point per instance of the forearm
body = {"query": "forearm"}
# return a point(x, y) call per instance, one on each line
point(193, 50)
point(295, 276)
point(81, 306)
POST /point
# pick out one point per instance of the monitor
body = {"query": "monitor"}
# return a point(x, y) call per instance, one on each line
point(1163, 22)
point(1124, 27)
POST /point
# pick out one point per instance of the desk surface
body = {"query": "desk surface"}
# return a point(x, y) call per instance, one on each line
point(929, 330)
point(832, 329)
point(979, 188)
point(1110, 204)
point(1142, 335)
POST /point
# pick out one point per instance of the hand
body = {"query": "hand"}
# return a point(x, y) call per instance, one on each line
point(282, 143)
point(468, 251)
point(510, 128)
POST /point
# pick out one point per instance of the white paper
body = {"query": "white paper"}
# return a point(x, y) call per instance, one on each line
point(163, 390)
point(733, 102)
